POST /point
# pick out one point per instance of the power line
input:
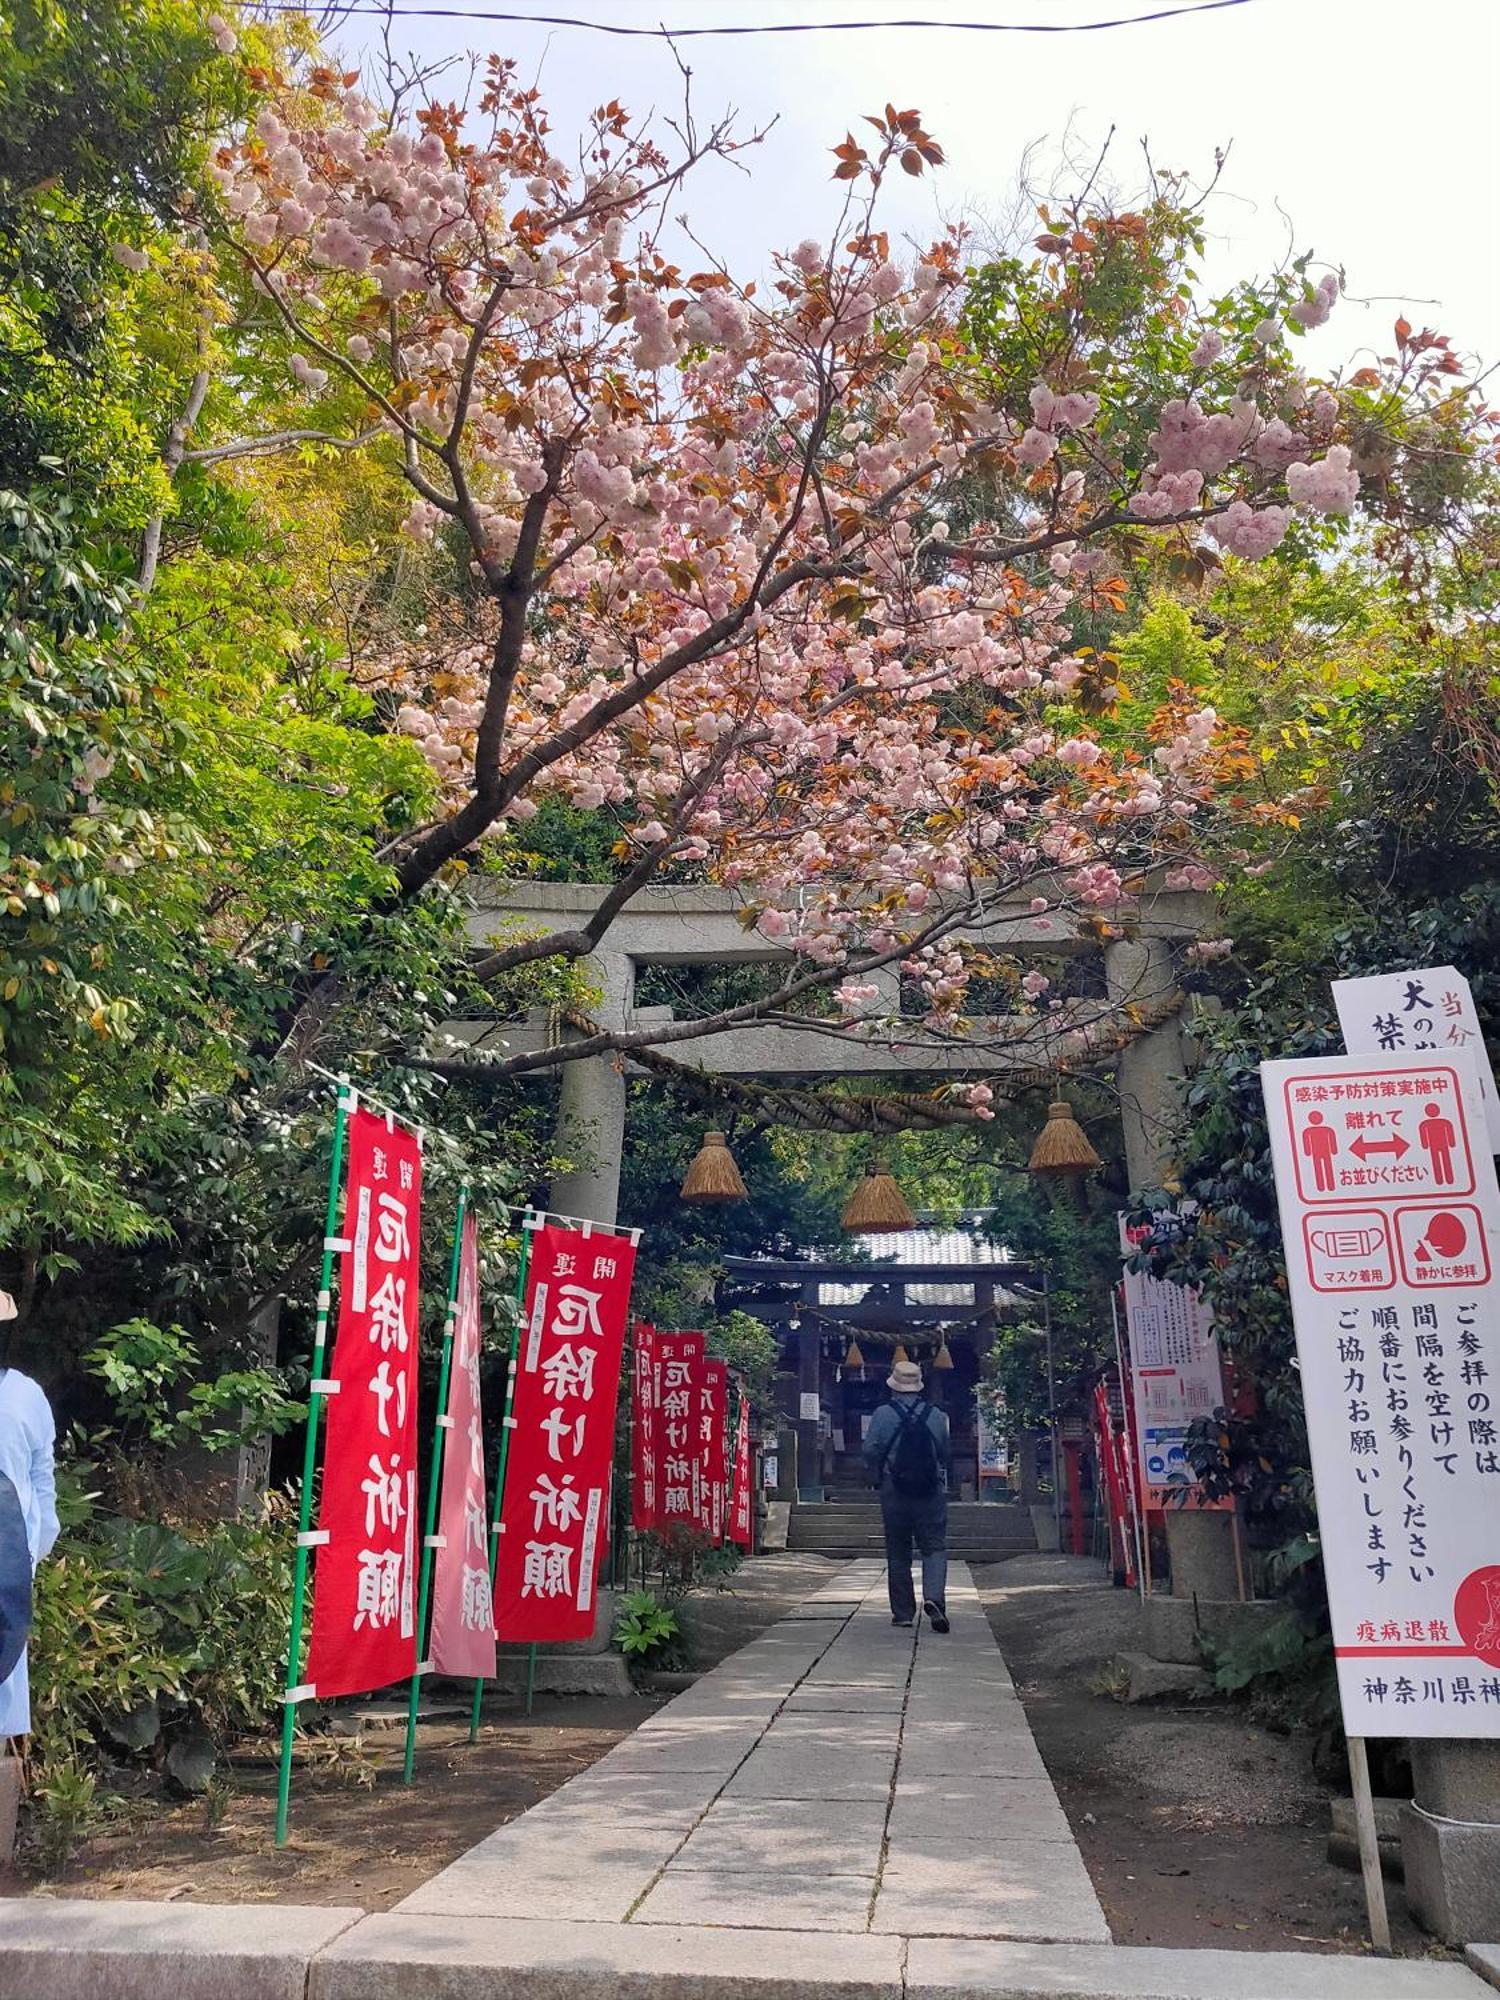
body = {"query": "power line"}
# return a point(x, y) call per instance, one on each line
point(379, 13)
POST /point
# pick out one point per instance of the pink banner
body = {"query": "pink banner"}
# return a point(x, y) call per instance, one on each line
point(463, 1615)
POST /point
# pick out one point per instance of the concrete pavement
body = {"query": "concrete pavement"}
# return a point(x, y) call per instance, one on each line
point(840, 1811)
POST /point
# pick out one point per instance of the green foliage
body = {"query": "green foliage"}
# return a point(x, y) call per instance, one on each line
point(645, 1628)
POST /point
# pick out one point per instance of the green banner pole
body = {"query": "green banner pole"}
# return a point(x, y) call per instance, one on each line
point(347, 1099)
point(522, 1265)
point(434, 1490)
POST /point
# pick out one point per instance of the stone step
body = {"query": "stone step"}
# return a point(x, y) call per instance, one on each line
point(58, 1949)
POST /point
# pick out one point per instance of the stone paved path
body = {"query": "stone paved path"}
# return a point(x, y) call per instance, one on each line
point(840, 1811)
point(836, 1774)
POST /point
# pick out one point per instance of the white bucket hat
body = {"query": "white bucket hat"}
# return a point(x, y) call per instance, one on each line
point(905, 1378)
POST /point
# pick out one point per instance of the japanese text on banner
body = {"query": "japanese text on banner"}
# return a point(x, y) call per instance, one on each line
point(1391, 1221)
point(364, 1609)
point(678, 1356)
point(741, 1512)
point(463, 1618)
point(553, 1519)
point(645, 1445)
point(713, 1397)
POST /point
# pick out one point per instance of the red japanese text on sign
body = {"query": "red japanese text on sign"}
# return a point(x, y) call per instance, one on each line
point(645, 1447)
point(741, 1531)
point(678, 1356)
point(463, 1618)
point(364, 1601)
point(713, 1397)
point(1394, 1300)
point(553, 1518)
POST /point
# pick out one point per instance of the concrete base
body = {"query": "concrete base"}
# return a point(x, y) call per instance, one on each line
point(1200, 1545)
point(1044, 1527)
point(775, 1527)
point(567, 1673)
point(10, 1805)
point(1452, 1876)
point(1485, 1959)
point(1343, 1835)
point(1147, 1679)
point(1172, 1625)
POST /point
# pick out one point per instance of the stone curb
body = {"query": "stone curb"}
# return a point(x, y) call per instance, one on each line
point(51, 1949)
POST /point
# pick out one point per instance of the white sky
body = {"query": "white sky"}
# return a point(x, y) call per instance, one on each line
point(1370, 123)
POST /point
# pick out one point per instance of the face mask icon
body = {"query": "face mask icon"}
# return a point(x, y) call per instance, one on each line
point(1346, 1242)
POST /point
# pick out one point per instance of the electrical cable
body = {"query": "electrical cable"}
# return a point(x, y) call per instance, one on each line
point(394, 13)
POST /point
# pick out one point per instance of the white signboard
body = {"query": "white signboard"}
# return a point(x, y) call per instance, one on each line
point(1176, 1375)
point(1391, 1221)
point(1406, 1012)
point(994, 1454)
point(809, 1407)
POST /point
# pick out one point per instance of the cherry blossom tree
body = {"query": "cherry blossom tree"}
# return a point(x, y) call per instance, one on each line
point(792, 585)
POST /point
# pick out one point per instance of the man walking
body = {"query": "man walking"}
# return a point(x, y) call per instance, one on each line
point(906, 1456)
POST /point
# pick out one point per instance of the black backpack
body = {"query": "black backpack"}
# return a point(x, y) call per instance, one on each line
point(912, 1459)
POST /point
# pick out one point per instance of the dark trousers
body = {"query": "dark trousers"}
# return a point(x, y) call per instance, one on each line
point(925, 1523)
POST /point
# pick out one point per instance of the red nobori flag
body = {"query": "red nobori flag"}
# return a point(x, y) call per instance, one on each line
point(463, 1615)
point(553, 1520)
point(364, 1598)
point(645, 1448)
point(742, 1503)
point(678, 1356)
point(713, 1394)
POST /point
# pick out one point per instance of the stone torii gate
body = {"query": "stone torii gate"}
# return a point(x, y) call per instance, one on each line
point(703, 926)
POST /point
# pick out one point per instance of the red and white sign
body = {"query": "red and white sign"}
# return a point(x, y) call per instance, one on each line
point(364, 1586)
point(463, 1615)
point(553, 1516)
point(1404, 1013)
point(678, 1357)
point(645, 1448)
point(1396, 1307)
point(1177, 1378)
point(713, 1473)
point(741, 1517)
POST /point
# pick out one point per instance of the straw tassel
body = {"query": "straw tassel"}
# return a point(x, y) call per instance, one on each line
point(943, 1359)
point(852, 1356)
point(1062, 1145)
point(713, 1176)
point(877, 1204)
point(900, 1353)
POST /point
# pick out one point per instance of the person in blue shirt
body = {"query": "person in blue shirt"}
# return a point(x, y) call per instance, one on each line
point(906, 1453)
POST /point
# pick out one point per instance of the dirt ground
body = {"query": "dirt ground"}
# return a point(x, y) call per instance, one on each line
point(358, 1835)
point(1198, 1828)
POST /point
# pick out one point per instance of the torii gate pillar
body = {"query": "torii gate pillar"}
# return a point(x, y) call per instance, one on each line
point(591, 1109)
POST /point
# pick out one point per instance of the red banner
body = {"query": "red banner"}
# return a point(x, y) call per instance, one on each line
point(364, 1600)
point(742, 1502)
point(678, 1356)
point(713, 1394)
point(645, 1450)
point(463, 1617)
point(562, 1446)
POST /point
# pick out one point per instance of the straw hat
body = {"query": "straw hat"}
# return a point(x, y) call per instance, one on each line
point(905, 1379)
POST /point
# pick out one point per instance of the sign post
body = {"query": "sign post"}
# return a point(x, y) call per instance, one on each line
point(530, 1223)
point(1177, 1378)
point(364, 1627)
point(1390, 1215)
point(347, 1101)
point(1412, 1012)
point(434, 1488)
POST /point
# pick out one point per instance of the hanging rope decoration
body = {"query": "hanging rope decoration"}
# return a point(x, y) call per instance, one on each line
point(877, 1204)
point(713, 1175)
point(900, 1111)
point(1062, 1146)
